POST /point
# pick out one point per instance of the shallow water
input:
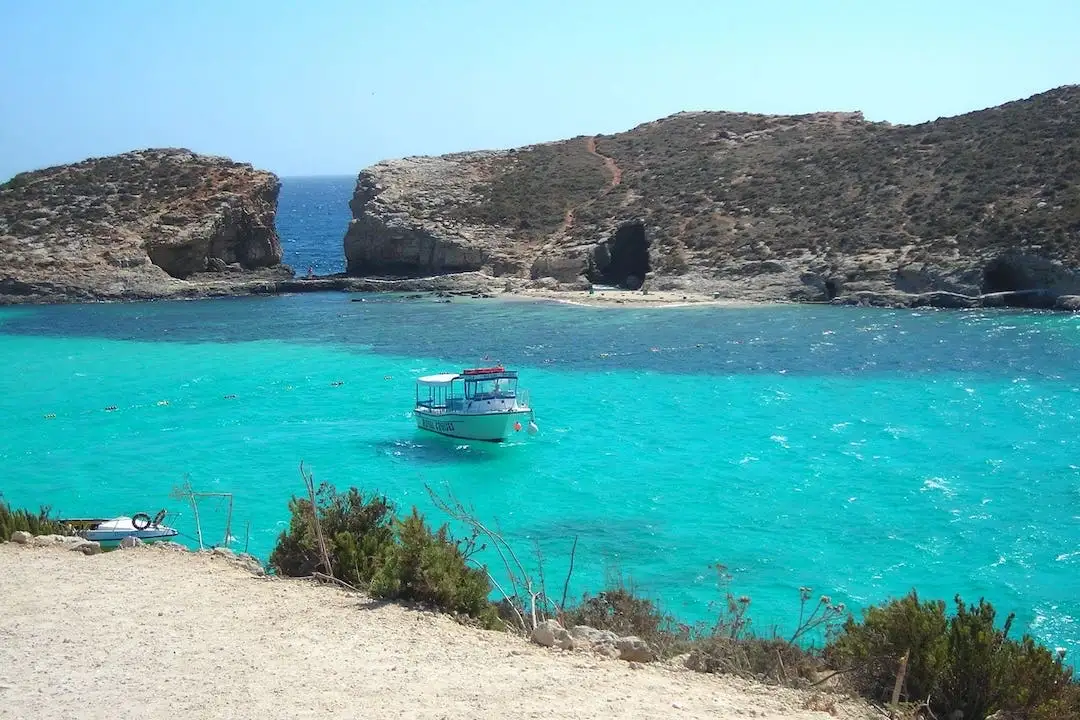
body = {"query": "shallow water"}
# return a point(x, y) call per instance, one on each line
point(861, 452)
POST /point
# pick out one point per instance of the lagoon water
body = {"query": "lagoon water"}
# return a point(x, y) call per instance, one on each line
point(861, 452)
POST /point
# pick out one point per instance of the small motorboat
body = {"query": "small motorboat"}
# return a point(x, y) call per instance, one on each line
point(475, 404)
point(110, 531)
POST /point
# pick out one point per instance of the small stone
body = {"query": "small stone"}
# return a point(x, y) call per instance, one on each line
point(21, 537)
point(636, 666)
point(87, 547)
point(130, 542)
point(545, 633)
point(634, 648)
point(222, 551)
point(607, 650)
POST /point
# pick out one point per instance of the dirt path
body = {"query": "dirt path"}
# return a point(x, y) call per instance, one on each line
point(616, 178)
point(149, 633)
point(612, 168)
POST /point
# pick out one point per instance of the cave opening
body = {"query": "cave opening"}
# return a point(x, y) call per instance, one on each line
point(1014, 277)
point(832, 289)
point(628, 265)
point(1004, 276)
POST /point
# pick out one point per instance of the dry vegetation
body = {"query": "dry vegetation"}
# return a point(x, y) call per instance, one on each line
point(740, 191)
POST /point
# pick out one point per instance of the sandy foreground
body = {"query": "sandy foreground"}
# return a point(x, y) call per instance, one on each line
point(153, 633)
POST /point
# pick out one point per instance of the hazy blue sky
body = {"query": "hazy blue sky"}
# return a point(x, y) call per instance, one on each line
point(327, 87)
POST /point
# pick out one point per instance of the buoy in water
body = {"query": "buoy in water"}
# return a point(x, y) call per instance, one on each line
point(110, 408)
point(517, 427)
point(162, 403)
point(50, 416)
point(230, 397)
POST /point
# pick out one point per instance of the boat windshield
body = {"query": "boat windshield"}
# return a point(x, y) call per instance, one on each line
point(491, 388)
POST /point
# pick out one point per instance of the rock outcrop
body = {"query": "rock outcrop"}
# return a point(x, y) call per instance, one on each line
point(549, 633)
point(145, 224)
point(982, 208)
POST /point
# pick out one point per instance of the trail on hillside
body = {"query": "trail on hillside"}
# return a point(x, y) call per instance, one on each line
point(609, 163)
point(613, 170)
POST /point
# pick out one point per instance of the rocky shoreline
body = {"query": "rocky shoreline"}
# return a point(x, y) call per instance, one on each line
point(973, 211)
point(281, 281)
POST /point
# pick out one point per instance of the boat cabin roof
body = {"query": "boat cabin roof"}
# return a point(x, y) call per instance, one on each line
point(492, 373)
point(441, 379)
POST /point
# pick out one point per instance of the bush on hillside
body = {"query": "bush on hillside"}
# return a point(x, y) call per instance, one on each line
point(357, 529)
point(40, 523)
point(955, 663)
point(369, 547)
point(429, 566)
point(727, 645)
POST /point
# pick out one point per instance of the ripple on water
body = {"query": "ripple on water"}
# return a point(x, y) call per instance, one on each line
point(943, 458)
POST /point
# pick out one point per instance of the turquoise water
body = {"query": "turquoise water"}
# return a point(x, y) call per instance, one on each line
point(861, 452)
point(313, 214)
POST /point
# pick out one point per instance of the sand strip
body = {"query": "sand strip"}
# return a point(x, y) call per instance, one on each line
point(152, 633)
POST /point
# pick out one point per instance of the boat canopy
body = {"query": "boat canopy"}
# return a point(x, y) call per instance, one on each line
point(441, 379)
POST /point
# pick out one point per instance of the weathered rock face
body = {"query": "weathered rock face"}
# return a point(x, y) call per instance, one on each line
point(151, 223)
point(816, 207)
point(394, 235)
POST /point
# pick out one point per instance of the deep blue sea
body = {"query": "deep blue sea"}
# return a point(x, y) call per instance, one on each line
point(862, 452)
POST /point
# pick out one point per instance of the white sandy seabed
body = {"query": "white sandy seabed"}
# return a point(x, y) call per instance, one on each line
point(152, 633)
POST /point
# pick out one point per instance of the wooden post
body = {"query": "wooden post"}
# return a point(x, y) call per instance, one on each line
point(309, 480)
point(198, 525)
point(228, 523)
point(900, 674)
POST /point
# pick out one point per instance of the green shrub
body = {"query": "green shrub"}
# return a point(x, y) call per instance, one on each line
point(964, 662)
point(874, 647)
point(368, 546)
point(430, 567)
point(35, 524)
point(357, 531)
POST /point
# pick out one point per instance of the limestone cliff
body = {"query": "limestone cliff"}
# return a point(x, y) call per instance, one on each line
point(145, 224)
point(826, 206)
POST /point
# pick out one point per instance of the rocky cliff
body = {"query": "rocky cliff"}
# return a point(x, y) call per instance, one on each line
point(826, 206)
point(146, 224)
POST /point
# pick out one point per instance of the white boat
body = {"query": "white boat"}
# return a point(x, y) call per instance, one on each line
point(110, 531)
point(475, 404)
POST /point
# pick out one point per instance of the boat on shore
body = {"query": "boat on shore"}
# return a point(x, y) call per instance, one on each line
point(111, 531)
point(475, 404)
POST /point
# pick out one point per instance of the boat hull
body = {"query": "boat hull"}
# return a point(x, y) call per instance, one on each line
point(113, 537)
point(491, 427)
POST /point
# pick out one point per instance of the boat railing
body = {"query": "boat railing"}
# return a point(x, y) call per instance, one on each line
point(523, 398)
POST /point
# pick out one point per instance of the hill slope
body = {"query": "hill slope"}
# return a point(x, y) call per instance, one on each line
point(151, 223)
point(805, 207)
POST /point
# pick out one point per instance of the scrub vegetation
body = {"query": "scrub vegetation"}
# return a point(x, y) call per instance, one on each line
point(907, 653)
point(910, 654)
point(39, 523)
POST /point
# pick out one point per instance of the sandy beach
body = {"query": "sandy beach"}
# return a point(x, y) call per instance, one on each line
point(154, 633)
point(629, 299)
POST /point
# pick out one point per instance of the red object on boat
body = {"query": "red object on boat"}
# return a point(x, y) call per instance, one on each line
point(483, 371)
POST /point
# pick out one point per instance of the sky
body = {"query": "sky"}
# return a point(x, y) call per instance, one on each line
point(328, 87)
